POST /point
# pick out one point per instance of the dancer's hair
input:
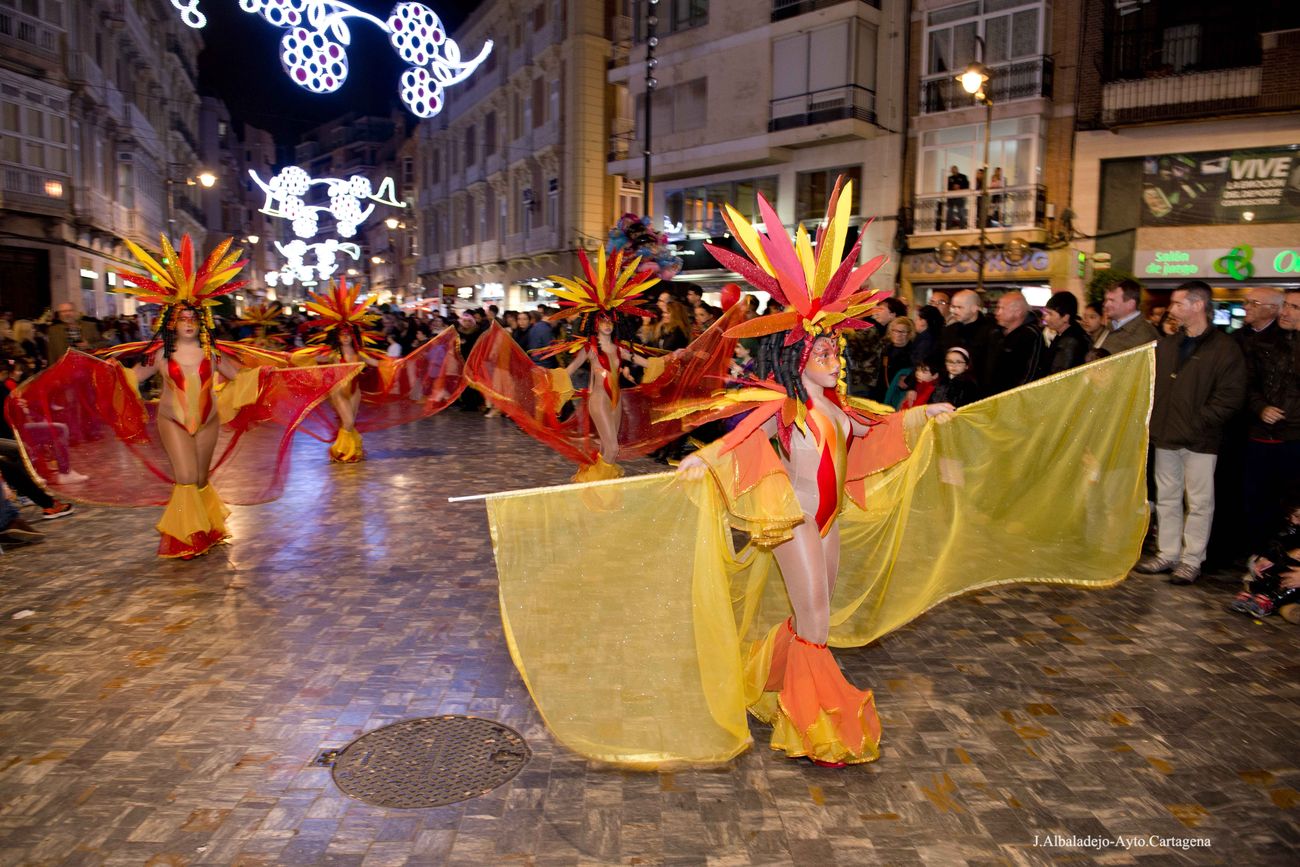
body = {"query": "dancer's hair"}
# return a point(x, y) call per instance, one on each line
point(786, 363)
point(166, 332)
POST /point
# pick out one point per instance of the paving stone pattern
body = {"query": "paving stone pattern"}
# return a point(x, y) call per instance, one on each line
point(166, 713)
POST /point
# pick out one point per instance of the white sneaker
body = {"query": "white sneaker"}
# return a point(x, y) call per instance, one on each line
point(70, 478)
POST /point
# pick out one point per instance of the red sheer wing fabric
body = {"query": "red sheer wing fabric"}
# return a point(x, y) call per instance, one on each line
point(398, 391)
point(528, 395)
point(243, 354)
point(531, 396)
point(84, 416)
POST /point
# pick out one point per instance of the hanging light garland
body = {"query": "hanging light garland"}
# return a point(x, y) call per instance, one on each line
point(285, 200)
point(313, 50)
point(296, 270)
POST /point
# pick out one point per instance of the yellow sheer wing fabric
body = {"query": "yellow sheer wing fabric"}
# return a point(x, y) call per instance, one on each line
point(627, 608)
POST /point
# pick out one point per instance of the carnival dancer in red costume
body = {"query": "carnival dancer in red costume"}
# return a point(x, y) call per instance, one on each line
point(215, 411)
point(826, 448)
point(265, 321)
point(389, 391)
point(597, 301)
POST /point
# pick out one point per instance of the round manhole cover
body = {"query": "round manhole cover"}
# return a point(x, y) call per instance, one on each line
point(430, 762)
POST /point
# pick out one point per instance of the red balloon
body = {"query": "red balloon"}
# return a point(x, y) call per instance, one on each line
point(730, 296)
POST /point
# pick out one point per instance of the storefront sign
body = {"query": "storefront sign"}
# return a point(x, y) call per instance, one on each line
point(1034, 265)
point(1216, 187)
point(1242, 262)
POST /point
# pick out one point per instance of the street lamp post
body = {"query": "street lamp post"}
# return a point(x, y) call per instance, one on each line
point(651, 62)
point(203, 179)
point(975, 82)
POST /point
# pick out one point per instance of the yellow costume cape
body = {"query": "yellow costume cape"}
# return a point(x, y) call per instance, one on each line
point(628, 611)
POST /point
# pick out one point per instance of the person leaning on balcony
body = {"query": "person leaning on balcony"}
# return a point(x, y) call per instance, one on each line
point(1127, 327)
point(957, 204)
point(996, 183)
point(1200, 385)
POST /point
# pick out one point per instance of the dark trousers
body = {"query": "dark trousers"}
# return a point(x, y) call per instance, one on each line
point(17, 477)
point(1272, 470)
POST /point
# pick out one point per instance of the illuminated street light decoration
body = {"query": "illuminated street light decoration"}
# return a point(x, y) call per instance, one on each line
point(313, 51)
point(285, 192)
point(296, 270)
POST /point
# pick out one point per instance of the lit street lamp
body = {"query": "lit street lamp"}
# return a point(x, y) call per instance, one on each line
point(975, 82)
point(205, 179)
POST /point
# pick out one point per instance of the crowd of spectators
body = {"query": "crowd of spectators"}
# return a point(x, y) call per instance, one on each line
point(1217, 394)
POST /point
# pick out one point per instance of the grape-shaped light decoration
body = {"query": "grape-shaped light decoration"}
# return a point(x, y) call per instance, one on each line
point(313, 60)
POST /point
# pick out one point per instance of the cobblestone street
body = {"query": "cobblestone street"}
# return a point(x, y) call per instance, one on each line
point(168, 713)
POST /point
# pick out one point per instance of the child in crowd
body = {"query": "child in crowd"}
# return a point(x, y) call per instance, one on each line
point(1265, 590)
point(920, 384)
point(959, 386)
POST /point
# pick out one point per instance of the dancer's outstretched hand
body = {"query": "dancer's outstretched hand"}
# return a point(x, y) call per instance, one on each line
point(940, 411)
point(692, 468)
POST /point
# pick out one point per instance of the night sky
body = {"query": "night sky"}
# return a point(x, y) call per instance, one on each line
point(240, 64)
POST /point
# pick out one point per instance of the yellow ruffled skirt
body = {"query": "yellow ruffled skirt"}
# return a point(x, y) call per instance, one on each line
point(797, 687)
point(193, 522)
point(347, 448)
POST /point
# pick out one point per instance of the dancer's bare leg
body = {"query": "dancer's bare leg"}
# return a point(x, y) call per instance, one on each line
point(345, 405)
point(605, 417)
point(182, 452)
point(205, 445)
point(804, 569)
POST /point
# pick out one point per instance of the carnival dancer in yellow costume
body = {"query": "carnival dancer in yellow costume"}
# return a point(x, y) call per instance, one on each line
point(813, 710)
point(343, 336)
point(213, 393)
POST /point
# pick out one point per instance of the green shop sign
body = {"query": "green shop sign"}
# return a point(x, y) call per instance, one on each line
point(1242, 262)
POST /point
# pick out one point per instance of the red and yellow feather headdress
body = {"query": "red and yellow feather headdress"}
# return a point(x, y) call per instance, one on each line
point(261, 315)
point(612, 287)
point(177, 281)
point(343, 306)
point(821, 288)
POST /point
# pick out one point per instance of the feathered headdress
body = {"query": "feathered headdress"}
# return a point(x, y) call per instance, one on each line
point(177, 282)
point(261, 315)
point(611, 289)
point(341, 306)
point(821, 288)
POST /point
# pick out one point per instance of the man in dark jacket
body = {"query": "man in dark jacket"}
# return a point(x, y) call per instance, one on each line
point(1015, 346)
point(1071, 344)
point(1127, 329)
point(1272, 461)
point(1200, 384)
point(970, 329)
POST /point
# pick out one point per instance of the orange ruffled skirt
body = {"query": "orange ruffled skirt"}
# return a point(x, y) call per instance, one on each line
point(193, 522)
point(797, 687)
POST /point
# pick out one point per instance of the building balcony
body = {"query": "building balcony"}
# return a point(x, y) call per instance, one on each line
point(474, 173)
point(35, 192)
point(783, 9)
point(1024, 79)
point(959, 212)
point(1190, 94)
point(849, 102)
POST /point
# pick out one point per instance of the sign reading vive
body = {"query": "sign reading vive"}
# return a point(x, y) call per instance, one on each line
point(1260, 185)
point(1242, 262)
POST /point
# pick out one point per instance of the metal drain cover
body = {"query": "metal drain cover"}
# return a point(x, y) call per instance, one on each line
point(430, 762)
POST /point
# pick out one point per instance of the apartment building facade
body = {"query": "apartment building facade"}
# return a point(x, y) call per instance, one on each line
point(511, 175)
point(770, 97)
point(1031, 51)
point(1187, 159)
point(100, 143)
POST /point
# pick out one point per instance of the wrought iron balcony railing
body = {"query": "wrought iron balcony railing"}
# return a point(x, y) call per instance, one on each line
point(962, 210)
point(1024, 79)
point(849, 102)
